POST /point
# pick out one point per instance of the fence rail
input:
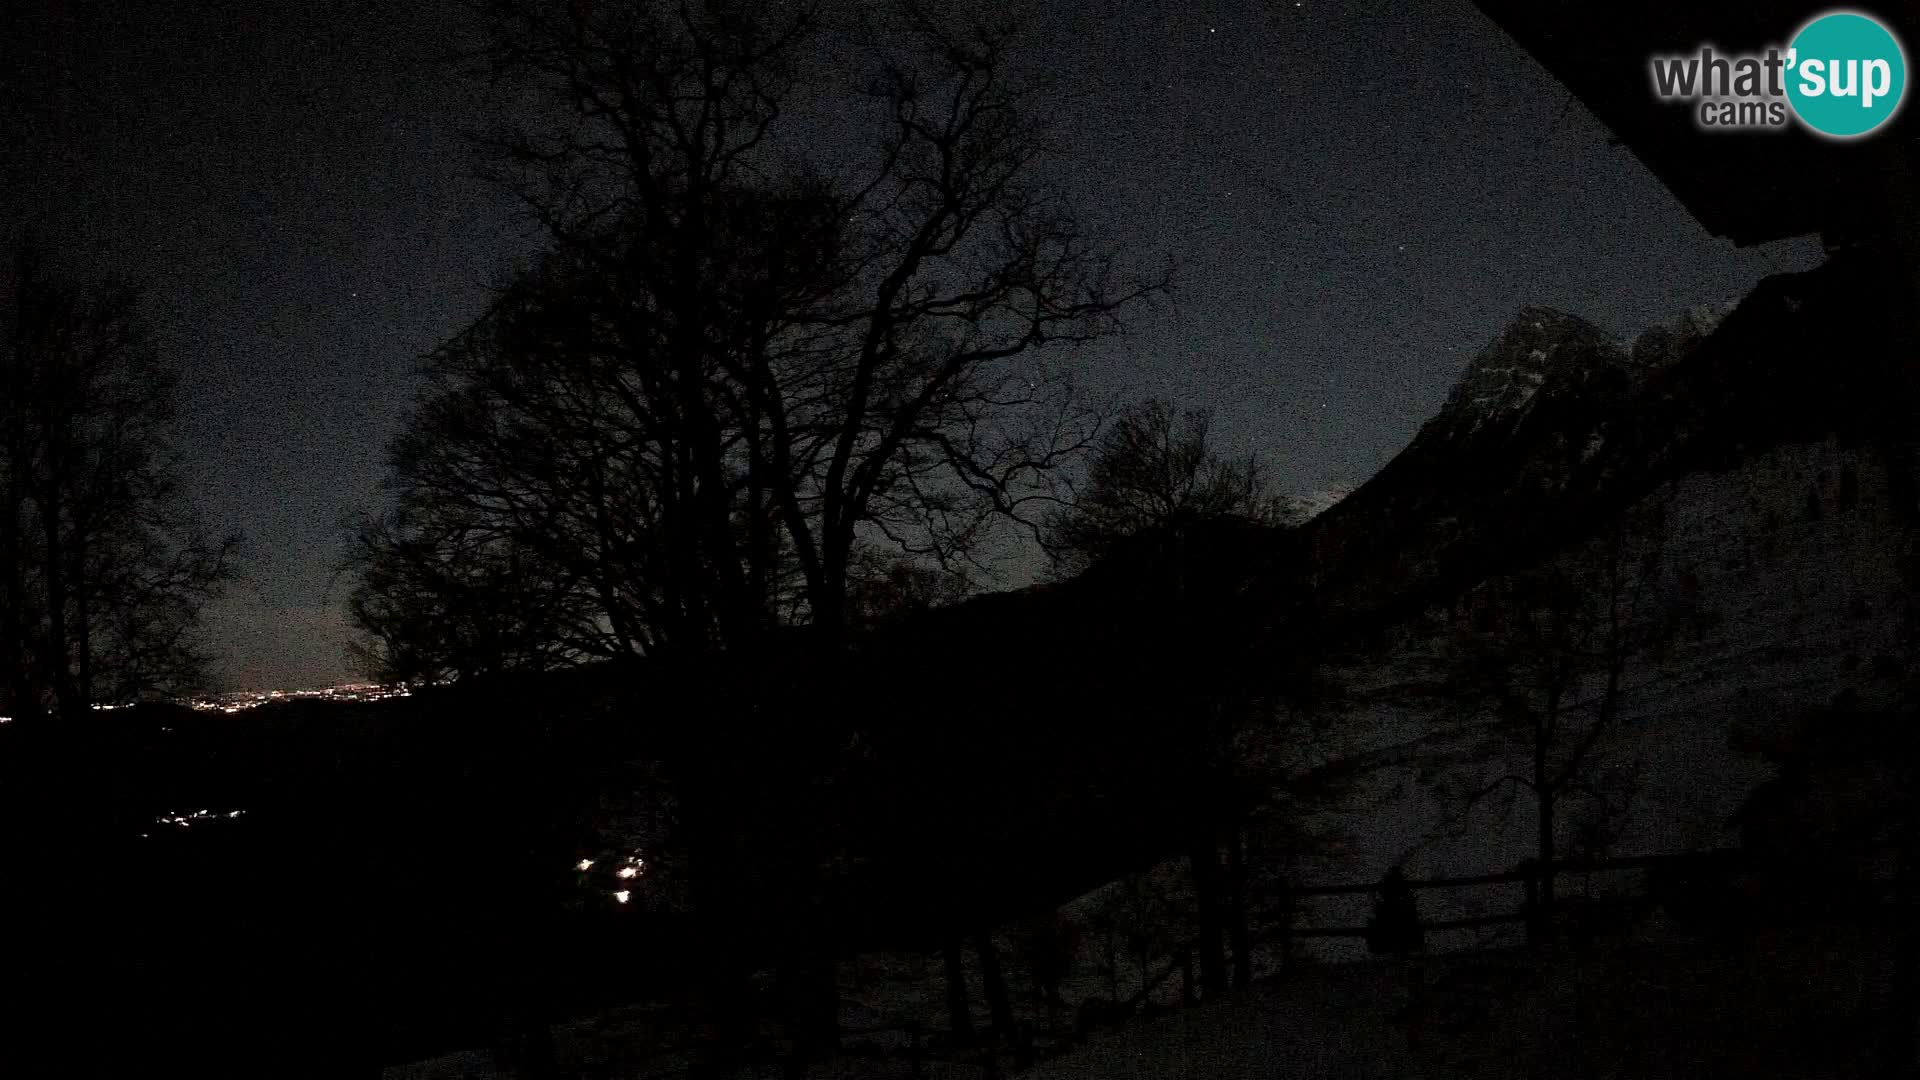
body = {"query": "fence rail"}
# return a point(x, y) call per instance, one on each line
point(920, 1053)
point(1525, 876)
point(1570, 867)
point(1469, 923)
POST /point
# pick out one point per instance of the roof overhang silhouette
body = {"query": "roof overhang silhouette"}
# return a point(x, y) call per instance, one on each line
point(1749, 186)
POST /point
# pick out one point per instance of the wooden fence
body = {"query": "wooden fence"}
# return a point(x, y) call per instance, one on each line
point(920, 1053)
point(1526, 877)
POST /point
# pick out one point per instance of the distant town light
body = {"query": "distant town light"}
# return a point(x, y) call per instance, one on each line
point(623, 896)
point(186, 820)
point(583, 865)
point(627, 872)
point(249, 699)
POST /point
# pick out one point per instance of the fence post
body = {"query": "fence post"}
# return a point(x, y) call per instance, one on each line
point(1395, 928)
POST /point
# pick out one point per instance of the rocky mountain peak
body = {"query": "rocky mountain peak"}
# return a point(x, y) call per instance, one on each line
point(1664, 343)
point(1540, 350)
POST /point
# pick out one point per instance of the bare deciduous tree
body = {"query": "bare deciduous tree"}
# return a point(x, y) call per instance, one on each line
point(1156, 473)
point(734, 373)
point(106, 568)
point(1552, 658)
point(1177, 526)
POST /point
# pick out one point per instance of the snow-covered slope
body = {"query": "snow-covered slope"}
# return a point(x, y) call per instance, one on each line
point(1725, 470)
point(1749, 608)
point(1629, 1010)
point(1310, 506)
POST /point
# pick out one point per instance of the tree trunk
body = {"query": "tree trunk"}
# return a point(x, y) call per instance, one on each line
point(959, 1018)
point(1187, 988)
point(57, 657)
point(1242, 940)
point(1900, 1049)
point(1543, 907)
point(996, 988)
point(1204, 861)
point(1287, 913)
point(83, 623)
point(1541, 927)
point(828, 604)
point(723, 1002)
point(811, 1001)
point(916, 1051)
point(13, 606)
point(20, 703)
point(811, 982)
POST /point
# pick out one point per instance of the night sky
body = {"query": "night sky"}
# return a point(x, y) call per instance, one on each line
point(1359, 195)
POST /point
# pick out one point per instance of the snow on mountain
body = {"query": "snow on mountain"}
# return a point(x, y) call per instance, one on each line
point(1656, 344)
point(1308, 507)
point(1539, 348)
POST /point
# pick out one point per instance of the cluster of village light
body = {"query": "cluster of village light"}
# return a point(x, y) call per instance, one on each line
point(186, 820)
point(233, 703)
point(631, 867)
point(240, 702)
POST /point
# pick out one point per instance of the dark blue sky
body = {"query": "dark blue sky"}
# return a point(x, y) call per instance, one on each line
point(1358, 195)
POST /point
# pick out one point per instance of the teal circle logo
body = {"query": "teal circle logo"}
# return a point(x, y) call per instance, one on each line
point(1846, 74)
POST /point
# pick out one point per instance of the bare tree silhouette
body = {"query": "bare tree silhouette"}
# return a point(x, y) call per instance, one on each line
point(731, 374)
point(1172, 522)
point(106, 567)
point(1551, 637)
point(1156, 473)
